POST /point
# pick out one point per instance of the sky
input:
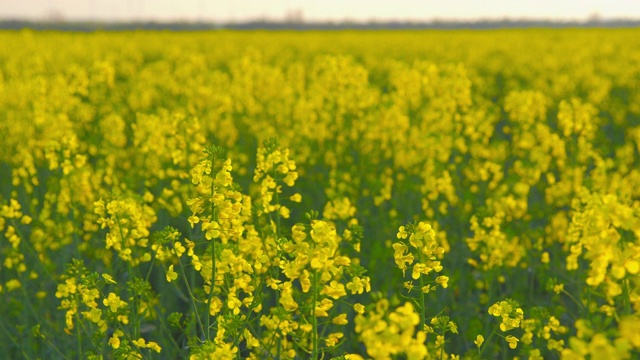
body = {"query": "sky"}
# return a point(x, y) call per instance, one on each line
point(315, 10)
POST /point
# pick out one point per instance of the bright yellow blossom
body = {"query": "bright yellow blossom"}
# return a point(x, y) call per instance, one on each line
point(171, 275)
point(114, 302)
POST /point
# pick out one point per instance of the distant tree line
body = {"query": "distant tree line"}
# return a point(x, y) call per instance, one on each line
point(271, 25)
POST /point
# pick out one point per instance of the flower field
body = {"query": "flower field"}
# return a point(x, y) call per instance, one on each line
point(320, 195)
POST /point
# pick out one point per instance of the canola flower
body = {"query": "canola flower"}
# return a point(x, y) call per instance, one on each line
point(165, 198)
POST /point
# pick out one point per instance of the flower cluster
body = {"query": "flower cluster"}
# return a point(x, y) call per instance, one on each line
point(519, 174)
point(422, 250)
point(128, 222)
point(387, 333)
point(273, 168)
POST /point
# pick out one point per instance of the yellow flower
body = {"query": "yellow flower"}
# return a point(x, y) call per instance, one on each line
point(234, 304)
point(284, 212)
point(193, 219)
point(353, 357)
point(114, 341)
point(305, 282)
point(630, 330)
point(402, 234)
point(211, 230)
point(333, 339)
point(179, 248)
point(154, 346)
point(171, 275)
point(534, 354)
point(322, 308)
point(443, 281)
point(108, 279)
point(252, 342)
point(358, 285)
point(94, 315)
point(632, 266)
point(298, 233)
point(335, 290)
point(418, 269)
point(558, 288)
point(545, 258)
point(296, 198)
point(402, 259)
point(495, 309)
point(359, 308)
point(512, 340)
point(408, 285)
point(479, 340)
point(140, 343)
point(290, 178)
point(340, 319)
point(113, 302)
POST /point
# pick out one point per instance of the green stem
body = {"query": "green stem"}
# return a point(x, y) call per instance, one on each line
point(627, 299)
point(314, 319)
point(79, 337)
point(442, 347)
point(588, 302)
point(328, 322)
point(134, 312)
point(27, 300)
point(130, 338)
point(277, 269)
point(191, 297)
point(135, 321)
point(423, 310)
point(277, 213)
point(14, 341)
point(153, 259)
point(484, 345)
point(263, 345)
point(275, 337)
point(55, 348)
point(573, 298)
point(248, 319)
point(166, 330)
point(212, 245)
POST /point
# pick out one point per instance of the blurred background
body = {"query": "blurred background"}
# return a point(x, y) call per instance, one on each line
point(316, 13)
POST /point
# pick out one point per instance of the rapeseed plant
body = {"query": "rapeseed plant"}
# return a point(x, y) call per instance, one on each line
point(125, 234)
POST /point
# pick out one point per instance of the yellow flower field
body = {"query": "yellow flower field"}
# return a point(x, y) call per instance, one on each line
point(320, 195)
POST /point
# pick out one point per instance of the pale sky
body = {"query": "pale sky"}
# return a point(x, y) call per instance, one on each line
point(315, 10)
